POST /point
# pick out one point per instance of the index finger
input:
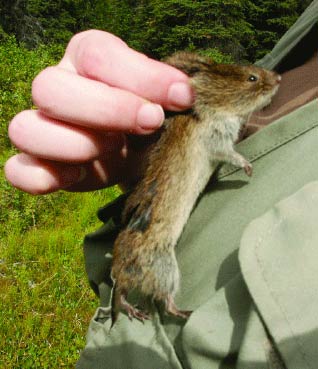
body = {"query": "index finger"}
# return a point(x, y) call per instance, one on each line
point(104, 57)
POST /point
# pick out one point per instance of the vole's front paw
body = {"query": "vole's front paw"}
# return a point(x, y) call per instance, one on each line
point(238, 160)
point(248, 169)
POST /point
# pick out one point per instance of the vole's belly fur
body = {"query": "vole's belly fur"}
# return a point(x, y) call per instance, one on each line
point(148, 262)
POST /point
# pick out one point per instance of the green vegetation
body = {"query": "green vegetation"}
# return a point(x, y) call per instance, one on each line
point(45, 300)
point(243, 28)
point(45, 303)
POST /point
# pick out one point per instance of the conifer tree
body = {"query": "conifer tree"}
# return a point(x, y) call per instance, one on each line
point(270, 20)
point(243, 29)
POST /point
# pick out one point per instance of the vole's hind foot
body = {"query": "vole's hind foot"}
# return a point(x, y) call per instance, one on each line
point(119, 303)
point(172, 309)
point(132, 311)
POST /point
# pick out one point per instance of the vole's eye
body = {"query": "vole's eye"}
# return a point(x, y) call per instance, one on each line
point(252, 78)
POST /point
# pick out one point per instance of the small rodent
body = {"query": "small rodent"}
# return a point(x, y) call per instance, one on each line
point(179, 167)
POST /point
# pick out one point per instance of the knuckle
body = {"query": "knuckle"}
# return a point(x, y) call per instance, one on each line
point(88, 58)
point(75, 39)
point(90, 50)
point(40, 84)
point(80, 36)
point(16, 129)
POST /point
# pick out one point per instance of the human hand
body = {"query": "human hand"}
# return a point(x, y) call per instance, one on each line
point(99, 91)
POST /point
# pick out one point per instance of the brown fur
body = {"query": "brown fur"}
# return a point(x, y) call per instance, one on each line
point(191, 145)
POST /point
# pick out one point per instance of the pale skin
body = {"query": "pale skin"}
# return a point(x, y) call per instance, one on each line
point(100, 90)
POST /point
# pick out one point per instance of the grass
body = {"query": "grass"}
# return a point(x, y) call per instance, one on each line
point(45, 301)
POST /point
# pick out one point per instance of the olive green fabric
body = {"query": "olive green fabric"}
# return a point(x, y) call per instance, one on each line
point(247, 260)
point(278, 257)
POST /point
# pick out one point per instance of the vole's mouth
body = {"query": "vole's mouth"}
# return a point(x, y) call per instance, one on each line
point(266, 101)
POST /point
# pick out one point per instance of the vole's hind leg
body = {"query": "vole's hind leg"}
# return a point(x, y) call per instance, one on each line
point(119, 302)
point(132, 311)
point(172, 309)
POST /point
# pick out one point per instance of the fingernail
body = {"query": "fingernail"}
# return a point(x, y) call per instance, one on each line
point(150, 116)
point(180, 95)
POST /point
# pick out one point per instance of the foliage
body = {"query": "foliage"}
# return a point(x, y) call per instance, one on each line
point(15, 20)
point(159, 28)
point(270, 19)
point(17, 69)
point(36, 21)
point(45, 303)
point(60, 19)
point(244, 29)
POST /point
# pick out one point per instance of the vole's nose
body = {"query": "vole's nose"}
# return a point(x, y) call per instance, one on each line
point(278, 78)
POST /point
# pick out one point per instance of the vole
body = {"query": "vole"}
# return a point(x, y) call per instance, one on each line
point(180, 164)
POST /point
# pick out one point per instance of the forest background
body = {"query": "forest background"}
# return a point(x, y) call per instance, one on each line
point(45, 300)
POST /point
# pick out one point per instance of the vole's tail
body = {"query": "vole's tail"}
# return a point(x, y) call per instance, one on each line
point(114, 301)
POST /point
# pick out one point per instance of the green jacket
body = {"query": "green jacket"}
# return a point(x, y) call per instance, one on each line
point(248, 259)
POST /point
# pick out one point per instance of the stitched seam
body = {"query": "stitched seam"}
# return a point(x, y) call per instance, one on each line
point(273, 147)
point(261, 239)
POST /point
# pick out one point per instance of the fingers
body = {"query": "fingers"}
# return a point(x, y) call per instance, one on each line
point(58, 156)
point(100, 89)
point(103, 84)
point(35, 134)
point(38, 176)
point(64, 95)
point(104, 57)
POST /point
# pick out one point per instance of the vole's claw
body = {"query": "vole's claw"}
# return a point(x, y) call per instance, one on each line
point(133, 312)
point(119, 302)
point(142, 316)
point(184, 314)
point(138, 314)
point(172, 309)
point(248, 169)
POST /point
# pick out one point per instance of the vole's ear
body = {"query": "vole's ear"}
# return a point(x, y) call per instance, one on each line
point(189, 63)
